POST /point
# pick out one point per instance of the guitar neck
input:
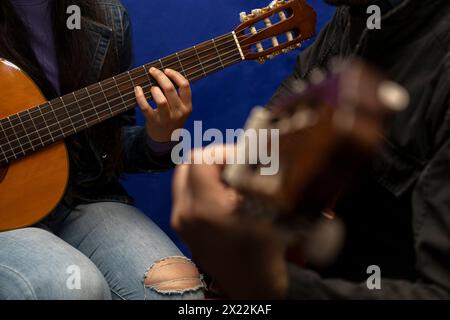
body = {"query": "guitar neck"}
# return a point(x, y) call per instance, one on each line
point(42, 125)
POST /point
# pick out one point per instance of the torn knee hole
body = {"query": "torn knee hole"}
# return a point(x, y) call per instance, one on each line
point(173, 275)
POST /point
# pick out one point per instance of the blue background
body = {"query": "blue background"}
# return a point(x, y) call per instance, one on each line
point(222, 100)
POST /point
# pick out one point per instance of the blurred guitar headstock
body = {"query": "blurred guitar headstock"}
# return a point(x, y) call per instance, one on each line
point(328, 128)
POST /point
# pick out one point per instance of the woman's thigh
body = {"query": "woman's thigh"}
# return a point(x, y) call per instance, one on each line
point(35, 264)
point(137, 259)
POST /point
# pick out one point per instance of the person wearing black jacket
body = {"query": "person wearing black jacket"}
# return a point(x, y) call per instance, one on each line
point(397, 213)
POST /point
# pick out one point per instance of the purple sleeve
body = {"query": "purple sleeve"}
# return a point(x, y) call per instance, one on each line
point(160, 148)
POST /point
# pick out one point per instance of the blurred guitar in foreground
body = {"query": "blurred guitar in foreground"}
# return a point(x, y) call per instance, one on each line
point(327, 130)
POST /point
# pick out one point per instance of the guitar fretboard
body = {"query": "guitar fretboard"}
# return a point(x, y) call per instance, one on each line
point(40, 126)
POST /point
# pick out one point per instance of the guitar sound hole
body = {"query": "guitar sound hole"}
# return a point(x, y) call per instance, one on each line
point(3, 171)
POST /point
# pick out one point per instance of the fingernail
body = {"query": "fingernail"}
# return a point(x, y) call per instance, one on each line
point(152, 69)
point(138, 89)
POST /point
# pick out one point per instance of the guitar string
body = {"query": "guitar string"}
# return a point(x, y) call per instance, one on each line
point(231, 40)
point(62, 135)
point(138, 70)
point(110, 80)
point(115, 109)
point(24, 151)
point(20, 135)
point(91, 115)
point(112, 84)
point(117, 95)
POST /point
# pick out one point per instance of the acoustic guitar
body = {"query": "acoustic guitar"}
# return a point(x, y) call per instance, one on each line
point(33, 156)
point(328, 129)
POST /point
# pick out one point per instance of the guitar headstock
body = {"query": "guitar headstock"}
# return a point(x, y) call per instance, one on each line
point(278, 28)
point(327, 129)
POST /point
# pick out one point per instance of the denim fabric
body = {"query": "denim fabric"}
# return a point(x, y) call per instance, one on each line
point(88, 183)
point(112, 244)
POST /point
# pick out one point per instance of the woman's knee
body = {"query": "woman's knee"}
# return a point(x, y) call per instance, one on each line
point(174, 277)
point(35, 264)
point(139, 260)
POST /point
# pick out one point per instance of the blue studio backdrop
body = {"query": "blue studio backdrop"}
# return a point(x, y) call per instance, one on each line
point(221, 101)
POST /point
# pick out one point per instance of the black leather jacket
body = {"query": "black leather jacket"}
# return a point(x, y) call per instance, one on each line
point(398, 213)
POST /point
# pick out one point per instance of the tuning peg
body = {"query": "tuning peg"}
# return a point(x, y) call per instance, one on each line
point(289, 35)
point(264, 10)
point(268, 23)
point(256, 12)
point(276, 3)
point(273, 4)
point(243, 16)
point(253, 30)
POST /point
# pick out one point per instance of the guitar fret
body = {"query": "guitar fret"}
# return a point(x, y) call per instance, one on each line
point(7, 140)
point(148, 75)
point(34, 124)
point(161, 63)
point(56, 117)
point(26, 133)
point(12, 150)
point(68, 114)
point(38, 130)
point(106, 100)
point(218, 54)
point(200, 61)
point(81, 110)
point(5, 158)
point(16, 137)
point(93, 107)
point(51, 120)
point(46, 125)
point(75, 121)
point(131, 79)
point(150, 80)
point(118, 90)
point(181, 65)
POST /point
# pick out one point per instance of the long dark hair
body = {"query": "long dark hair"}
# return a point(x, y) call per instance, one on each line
point(74, 63)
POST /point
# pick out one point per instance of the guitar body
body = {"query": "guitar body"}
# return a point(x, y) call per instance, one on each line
point(31, 187)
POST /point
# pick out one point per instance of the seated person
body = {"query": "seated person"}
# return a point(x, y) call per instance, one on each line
point(397, 213)
point(96, 233)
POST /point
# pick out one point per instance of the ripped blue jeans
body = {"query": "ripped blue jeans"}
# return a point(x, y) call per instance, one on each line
point(97, 251)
